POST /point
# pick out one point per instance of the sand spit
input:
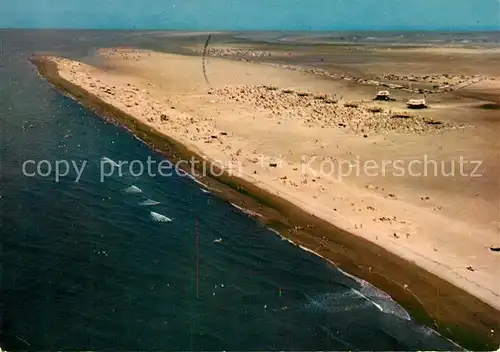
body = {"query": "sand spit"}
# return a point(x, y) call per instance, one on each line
point(441, 82)
point(445, 225)
point(444, 82)
point(443, 86)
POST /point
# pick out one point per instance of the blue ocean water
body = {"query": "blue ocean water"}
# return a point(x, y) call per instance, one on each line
point(113, 265)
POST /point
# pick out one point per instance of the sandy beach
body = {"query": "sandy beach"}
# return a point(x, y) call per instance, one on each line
point(322, 144)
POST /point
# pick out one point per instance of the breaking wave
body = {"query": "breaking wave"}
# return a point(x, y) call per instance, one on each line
point(337, 302)
point(149, 202)
point(366, 291)
point(193, 178)
point(246, 211)
point(379, 298)
point(132, 190)
point(159, 218)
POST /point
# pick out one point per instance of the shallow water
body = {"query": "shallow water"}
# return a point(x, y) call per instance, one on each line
point(473, 39)
point(113, 264)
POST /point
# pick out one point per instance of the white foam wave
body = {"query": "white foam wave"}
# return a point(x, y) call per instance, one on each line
point(246, 211)
point(379, 298)
point(373, 295)
point(369, 300)
point(139, 139)
point(283, 238)
point(289, 241)
point(337, 302)
point(309, 250)
point(149, 202)
point(427, 331)
point(159, 217)
point(188, 175)
point(133, 190)
point(199, 182)
point(276, 232)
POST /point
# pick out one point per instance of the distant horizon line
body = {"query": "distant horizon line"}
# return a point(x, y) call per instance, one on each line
point(440, 30)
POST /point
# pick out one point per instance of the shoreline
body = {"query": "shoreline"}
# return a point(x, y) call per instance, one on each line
point(453, 318)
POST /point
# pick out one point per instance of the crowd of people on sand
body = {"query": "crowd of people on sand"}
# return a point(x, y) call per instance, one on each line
point(441, 82)
point(326, 111)
point(232, 52)
point(124, 53)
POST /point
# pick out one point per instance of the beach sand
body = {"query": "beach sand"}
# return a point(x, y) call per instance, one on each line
point(265, 124)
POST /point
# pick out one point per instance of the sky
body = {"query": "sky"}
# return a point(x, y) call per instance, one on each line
point(253, 14)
